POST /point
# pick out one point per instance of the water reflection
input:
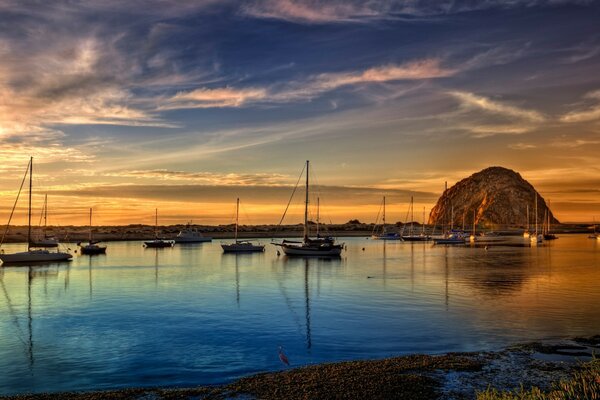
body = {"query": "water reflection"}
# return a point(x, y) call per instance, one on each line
point(102, 322)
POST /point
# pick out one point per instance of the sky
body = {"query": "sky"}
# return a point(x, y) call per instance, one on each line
point(186, 105)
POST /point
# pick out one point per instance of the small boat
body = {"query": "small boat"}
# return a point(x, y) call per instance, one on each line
point(547, 234)
point(241, 246)
point(92, 247)
point(536, 238)
point(526, 233)
point(191, 235)
point(158, 243)
point(384, 234)
point(35, 255)
point(453, 237)
point(413, 236)
point(45, 240)
point(320, 246)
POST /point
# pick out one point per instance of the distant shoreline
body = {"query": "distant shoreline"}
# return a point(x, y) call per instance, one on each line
point(73, 234)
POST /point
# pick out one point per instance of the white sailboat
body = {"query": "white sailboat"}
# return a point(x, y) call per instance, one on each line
point(45, 240)
point(191, 235)
point(91, 247)
point(158, 243)
point(526, 234)
point(384, 234)
point(320, 246)
point(35, 255)
point(241, 246)
point(412, 236)
point(536, 238)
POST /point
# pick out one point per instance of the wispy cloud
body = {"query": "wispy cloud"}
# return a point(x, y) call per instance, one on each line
point(473, 101)
point(522, 146)
point(352, 11)
point(208, 178)
point(588, 113)
point(307, 88)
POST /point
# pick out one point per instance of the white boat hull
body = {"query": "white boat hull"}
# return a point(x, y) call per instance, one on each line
point(34, 257)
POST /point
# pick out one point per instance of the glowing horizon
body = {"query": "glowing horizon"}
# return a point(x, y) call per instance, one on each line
point(186, 106)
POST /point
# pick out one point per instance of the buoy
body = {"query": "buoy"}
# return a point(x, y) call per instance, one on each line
point(278, 253)
point(363, 249)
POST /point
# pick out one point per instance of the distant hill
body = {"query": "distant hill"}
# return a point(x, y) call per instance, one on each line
point(497, 195)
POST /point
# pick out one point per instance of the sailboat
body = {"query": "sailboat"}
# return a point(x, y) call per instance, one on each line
point(158, 243)
point(45, 240)
point(38, 255)
point(526, 233)
point(536, 238)
point(451, 237)
point(320, 246)
point(241, 246)
point(547, 234)
point(92, 247)
point(384, 235)
point(413, 237)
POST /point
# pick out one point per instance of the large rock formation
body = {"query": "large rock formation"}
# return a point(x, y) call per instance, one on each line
point(496, 195)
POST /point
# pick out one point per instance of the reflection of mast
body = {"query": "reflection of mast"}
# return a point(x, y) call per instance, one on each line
point(237, 282)
point(412, 266)
point(446, 276)
point(155, 267)
point(90, 275)
point(384, 263)
point(306, 294)
point(29, 321)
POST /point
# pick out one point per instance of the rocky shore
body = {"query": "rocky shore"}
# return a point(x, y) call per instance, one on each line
point(452, 376)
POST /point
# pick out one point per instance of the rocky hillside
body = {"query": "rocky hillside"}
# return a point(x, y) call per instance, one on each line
point(496, 195)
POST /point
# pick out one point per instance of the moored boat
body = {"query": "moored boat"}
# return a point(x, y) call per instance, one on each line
point(92, 247)
point(158, 243)
point(191, 235)
point(320, 246)
point(384, 234)
point(241, 246)
point(32, 255)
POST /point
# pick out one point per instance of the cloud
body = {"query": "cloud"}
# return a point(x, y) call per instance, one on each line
point(522, 146)
point(590, 113)
point(354, 11)
point(307, 88)
point(215, 98)
point(473, 101)
point(208, 178)
point(571, 144)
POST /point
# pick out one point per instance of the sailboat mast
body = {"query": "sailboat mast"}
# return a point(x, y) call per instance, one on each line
point(536, 216)
point(156, 223)
point(45, 214)
point(474, 217)
point(423, 225)
point(29, 213)
point(527, 217)
point(90, 239)
point(306, 204)
point(383, 214)
point(318, 211)
point(237, 217)
point(412, 215)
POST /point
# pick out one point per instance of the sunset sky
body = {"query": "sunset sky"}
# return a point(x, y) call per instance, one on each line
point(186, 105)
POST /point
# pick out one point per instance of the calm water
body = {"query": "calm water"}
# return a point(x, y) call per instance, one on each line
point(191, 315)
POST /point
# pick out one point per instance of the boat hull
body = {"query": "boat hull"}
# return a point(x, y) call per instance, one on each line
point(242, 248)
point(386, 237)
point(44, 243)
point(192, 240)
point(449, 241)
point(415, 238)
point(159, 244)
point(312, 251)
point(92, 250)
point(34, 257)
